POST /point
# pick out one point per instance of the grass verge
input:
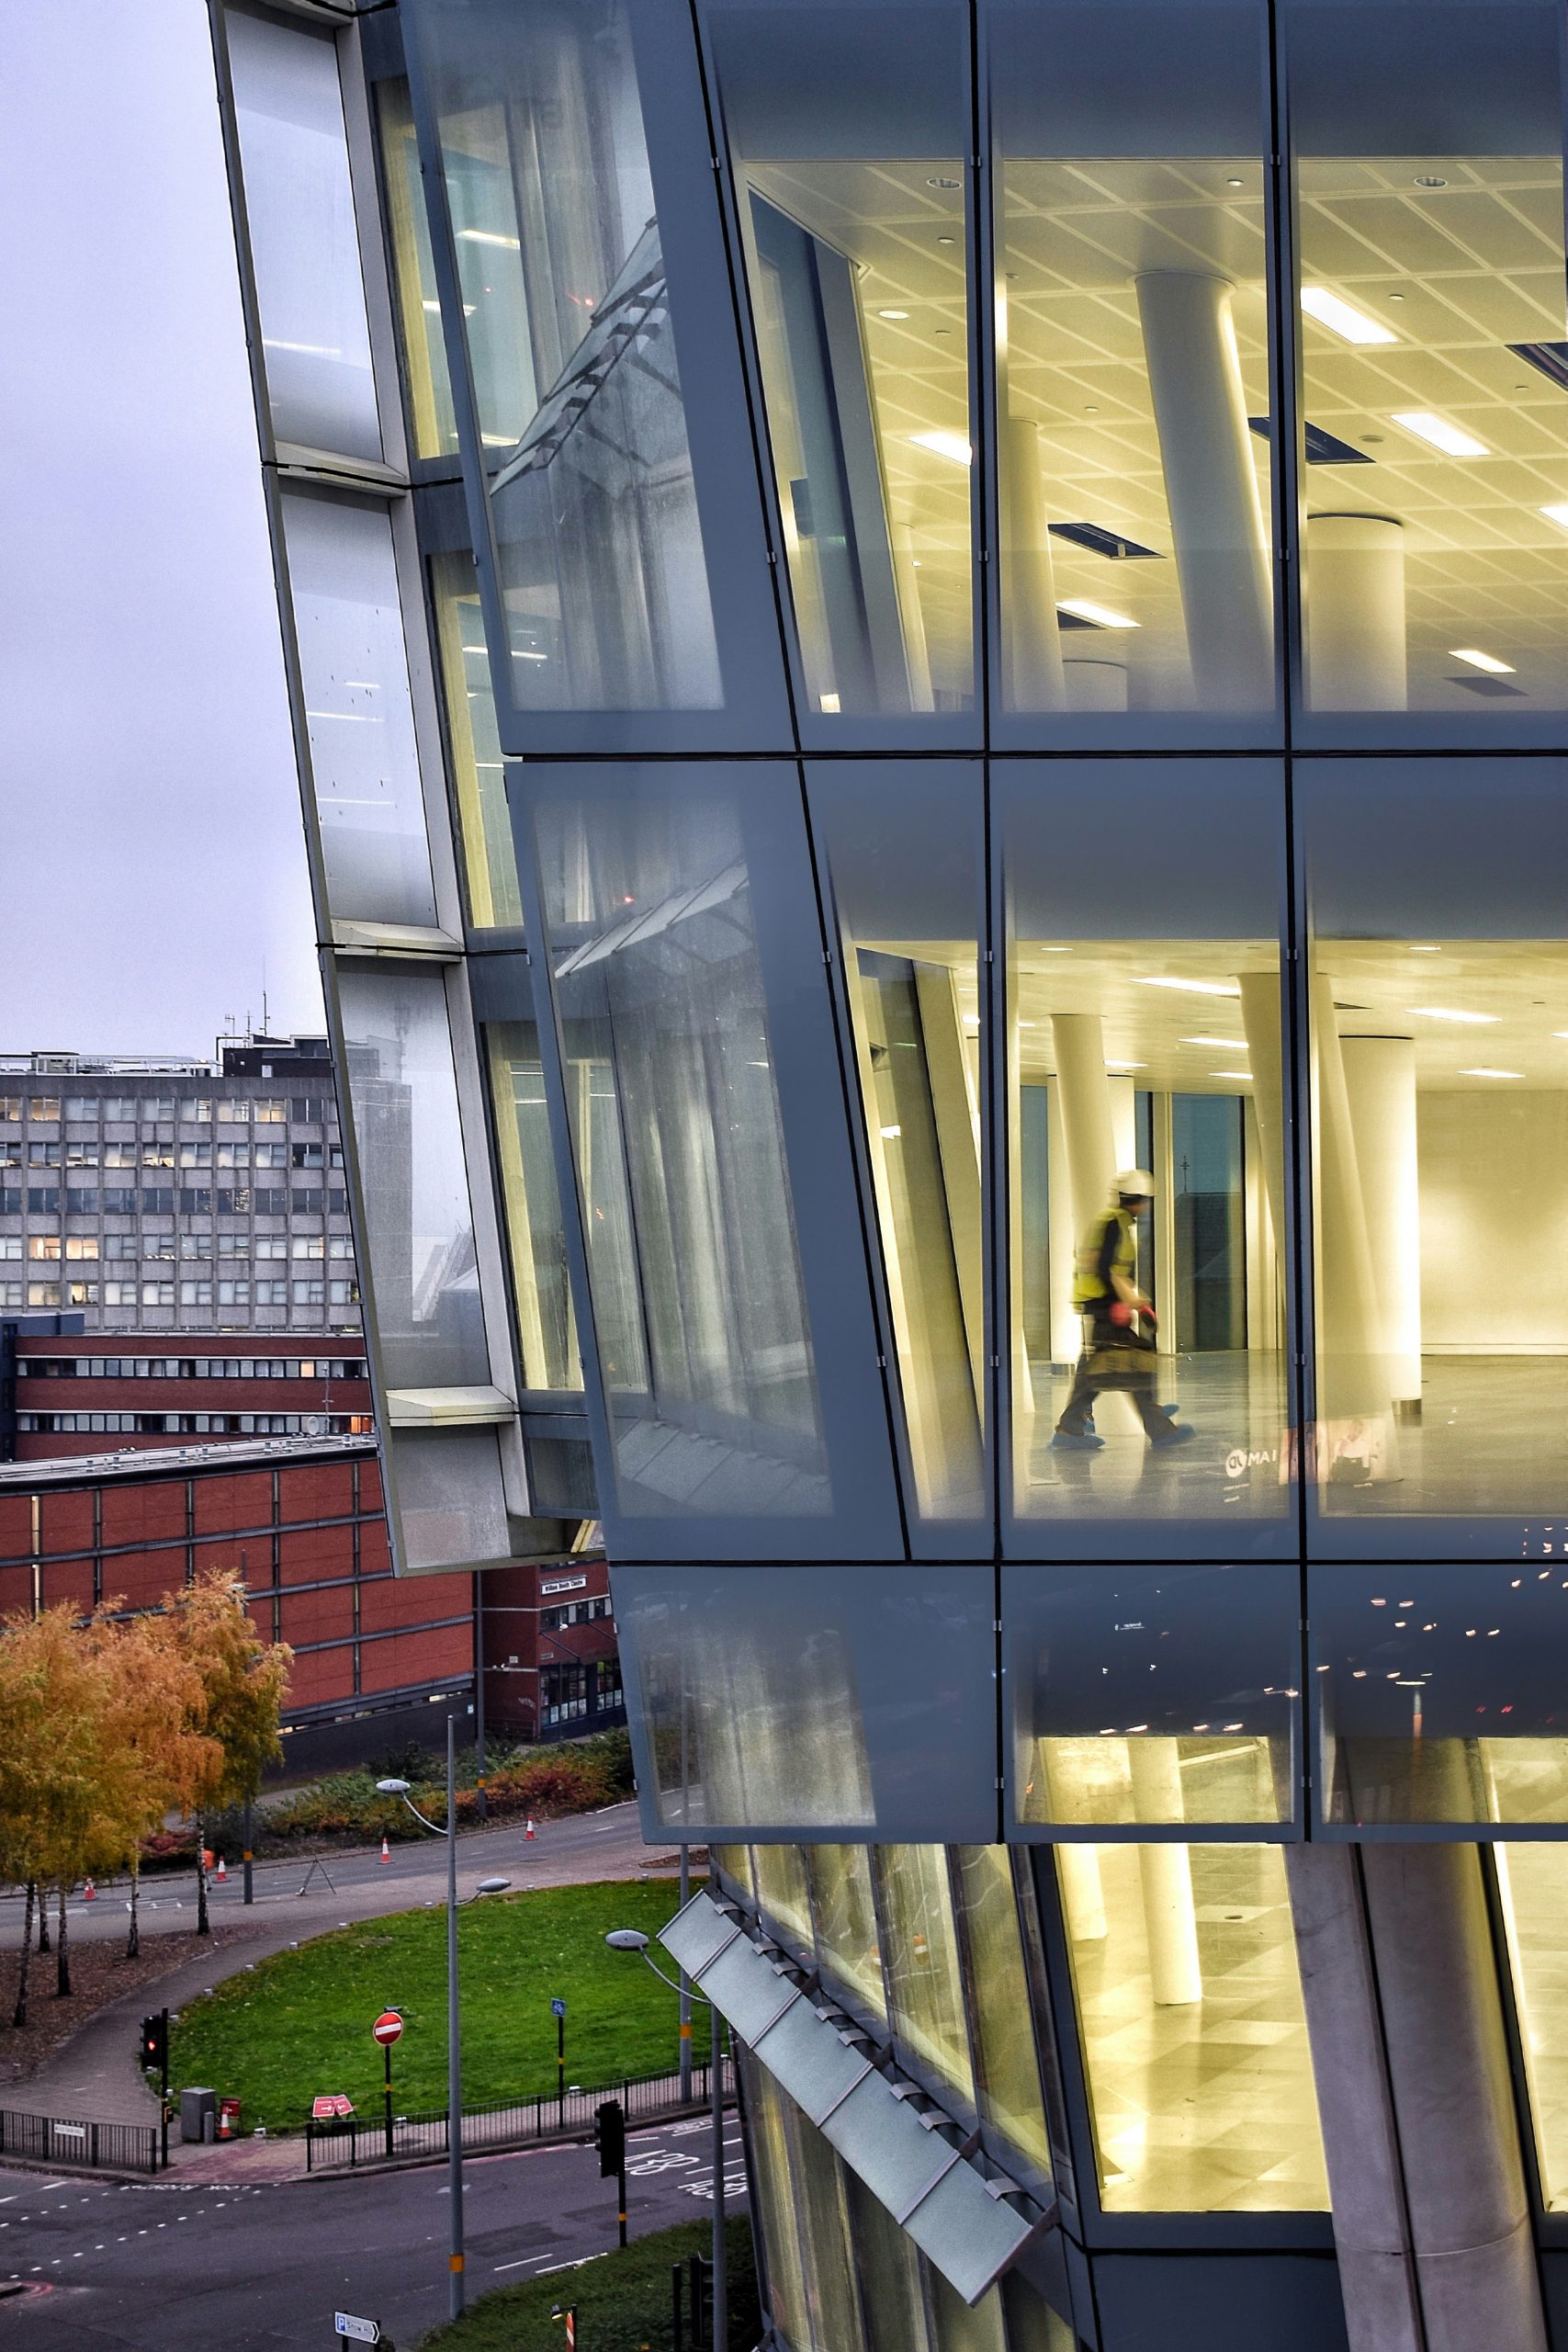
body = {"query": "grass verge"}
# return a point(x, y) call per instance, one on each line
point(621, 2298)
point(299, 2024)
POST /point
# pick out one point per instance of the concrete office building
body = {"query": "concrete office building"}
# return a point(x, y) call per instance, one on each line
point(893, 608)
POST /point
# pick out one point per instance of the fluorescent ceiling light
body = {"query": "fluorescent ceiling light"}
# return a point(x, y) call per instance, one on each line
point(1342, 318)
point(1438, 433)
point(1442, 1013)
point(1121, 1066)
point(1195, 987)
point(1245, 1075)
point(490, 237)
point(1558, 515)
point(1479, 660)
point(1419, 948)
point(1490, 1073)
point(1099, 616)
point(1231, 1044)
point(945, 444)
point(893, 314)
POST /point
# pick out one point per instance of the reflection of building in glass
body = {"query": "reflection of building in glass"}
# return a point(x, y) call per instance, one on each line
point(990, 792)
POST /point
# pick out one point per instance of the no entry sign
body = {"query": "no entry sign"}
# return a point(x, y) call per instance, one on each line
point(387, 2028)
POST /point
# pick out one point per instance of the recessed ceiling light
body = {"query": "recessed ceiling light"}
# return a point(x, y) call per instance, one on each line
point(1195, 987)
point(945, 445)
point(1442, 1013)
point(1342, 318)
point(1558, 515)
point(947, 240)
point(1438, 433)
point(1098, 615)
point(935, 179)
point(893, 314)
point(1479, 660)
point(1490, 1073)
point(1231, 1044)
point(1428, 179)
point(1233, 183)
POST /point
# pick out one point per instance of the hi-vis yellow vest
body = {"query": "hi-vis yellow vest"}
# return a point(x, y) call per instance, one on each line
point(1088, 1288)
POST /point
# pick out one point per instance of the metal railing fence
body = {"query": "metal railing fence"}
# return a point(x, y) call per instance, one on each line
point(59, 2140)
point(359, 2139)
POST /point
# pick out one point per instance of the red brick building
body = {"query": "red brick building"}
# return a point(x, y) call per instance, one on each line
point(88, 1393)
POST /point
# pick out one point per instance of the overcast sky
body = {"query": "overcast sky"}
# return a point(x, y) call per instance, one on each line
point(151, 860)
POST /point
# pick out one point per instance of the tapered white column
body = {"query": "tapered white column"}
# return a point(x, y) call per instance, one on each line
point(1354, 1405)
point(1032, 646)
point(1211, 486)
point(1066, 1338)
point(1266, 1057)
point(1164, 1874)
point(1089, 1133)
point(1355, 613)
point(1083, 1892)
point(906, 571)
point(1379, 1084)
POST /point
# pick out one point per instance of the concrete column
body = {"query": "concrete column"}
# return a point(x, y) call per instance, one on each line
point(1089, 1134)
point(1211, 486)
point(1380, 1083)
point(1083, 1892)
point(1447, 2065)
point(1355, 613)
point(1266, 1057)
point(1164, 1874)
point(1354, 1406)
point(1066, 1338)
point(915, 654)
point(1093, 684)
point(1264, 1327)
point(1032, 645)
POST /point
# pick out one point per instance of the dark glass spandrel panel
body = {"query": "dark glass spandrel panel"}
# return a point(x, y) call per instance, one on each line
point(1001, 2014)
point(432, 422)
point(304, 240)
point(478, 771)
point(901, 845)
point(849, 137)
point(925, 1982)
point(827, 1700)
point(571, 349)
point(1141, 1698)
point(1132, 373)
point(1439, 1690)
point(420, 1228)
point(1148, 1359)
point(1439, 1010)
point(1429, 231)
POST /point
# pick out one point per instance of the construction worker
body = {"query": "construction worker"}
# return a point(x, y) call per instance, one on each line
point(1119, 1322)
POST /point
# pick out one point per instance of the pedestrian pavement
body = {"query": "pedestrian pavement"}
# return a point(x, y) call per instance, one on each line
point(95, 2073)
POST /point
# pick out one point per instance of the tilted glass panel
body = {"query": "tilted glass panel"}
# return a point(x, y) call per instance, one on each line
point(547, 1329)
point(848, 1939)
point(782, 1890)
point(734, 1861)
point(567, 312)
point(1146, 1697)
point(818, 2183)
point(1194, 2038)
point(420, 1228)
point(478, 771)
point(1001, 2012)
point(1032, 2324)
point(1437, 1004)
point(961, 2326)
point(889, 2272)
point(1133, 375)
point(342, 578)
point(921, 1955)
point(1428, 193)
point(450, 1502)
point(1149, 1356)
point(849, 134)
point(1532, 1884)
point(433, 426)
point(765, 2104)
point(903, 845)
point(303, 238)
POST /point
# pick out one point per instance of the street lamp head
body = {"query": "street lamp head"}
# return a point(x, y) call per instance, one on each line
point(493, 1886)
point(393, 1788)
point(626, 1940)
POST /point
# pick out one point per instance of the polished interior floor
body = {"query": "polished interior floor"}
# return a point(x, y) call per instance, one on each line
point(1208, 2107)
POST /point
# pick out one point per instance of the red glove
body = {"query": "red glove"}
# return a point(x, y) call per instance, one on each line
point(1121, 1312)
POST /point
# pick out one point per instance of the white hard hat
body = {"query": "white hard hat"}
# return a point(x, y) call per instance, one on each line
point(1134, 1183)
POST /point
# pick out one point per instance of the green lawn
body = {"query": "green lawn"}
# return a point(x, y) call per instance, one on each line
point(623, 2301)
point(301, 2024)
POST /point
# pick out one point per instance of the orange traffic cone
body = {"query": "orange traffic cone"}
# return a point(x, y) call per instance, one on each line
point(89, 1893)
point(222, 1870)
point(386, 1852)
point(529, 1831)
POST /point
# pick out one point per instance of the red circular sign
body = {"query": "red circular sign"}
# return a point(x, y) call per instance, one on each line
point(387, 2026)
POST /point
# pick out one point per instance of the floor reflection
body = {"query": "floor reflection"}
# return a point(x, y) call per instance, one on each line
point(1233, 1398)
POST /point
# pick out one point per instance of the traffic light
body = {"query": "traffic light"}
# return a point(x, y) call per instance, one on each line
point(610, 2133)
point(155, 2041)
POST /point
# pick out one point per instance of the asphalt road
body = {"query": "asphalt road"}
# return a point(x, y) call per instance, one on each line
point(248, 2268)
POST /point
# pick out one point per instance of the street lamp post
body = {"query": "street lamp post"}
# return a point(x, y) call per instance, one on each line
point(392, 1788)
point(633, 1939)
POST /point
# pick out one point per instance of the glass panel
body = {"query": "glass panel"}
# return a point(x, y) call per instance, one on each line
point(1032, 2324)
point(889, 2275)
point(775, 2203)
point(903, 849)
point(959, 2326)
point(433, 426)
point(547, 1329)
point(303, 238)
point(1132, 360)
point(829, 1701)
point(1153, 1696)
point(848, 1937)
point(353, 666)
point(1194, 2040)
point(478, 773)
point(1440, 1002)
point(1533, 1882)
point(924, 1985)
point(734, 1861)
point(420, 1229)
point(818, 2187)
point(569, 340)
point(1428, 182)
point(853, 222)
point(696, 1272)
point(450, 1502)
point(781, 1890)
point(1149, 1365)
point(1003, 2021)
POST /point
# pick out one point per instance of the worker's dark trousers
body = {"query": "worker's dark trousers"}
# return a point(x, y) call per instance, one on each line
point(1116, 1355)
